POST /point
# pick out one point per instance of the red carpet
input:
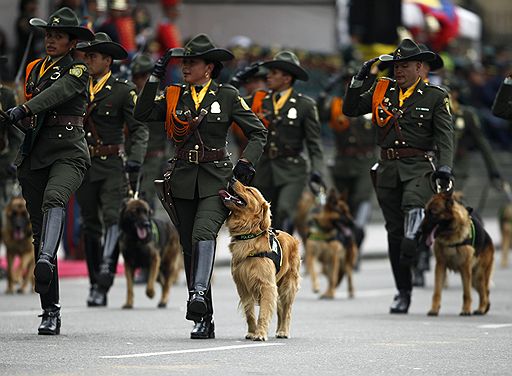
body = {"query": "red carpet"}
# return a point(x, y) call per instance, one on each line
point(68, 268)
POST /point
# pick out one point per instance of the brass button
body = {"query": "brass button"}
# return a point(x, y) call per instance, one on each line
point(218, 119)
point(196, 147)
point(107, 112)
point(89, 134)
point(59, 135)
point(396, 142)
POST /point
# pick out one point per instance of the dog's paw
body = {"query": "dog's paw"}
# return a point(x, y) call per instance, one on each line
point(162, 305)
point(465, 313)
point(249, 335)
point(316, 290)
point(20, 291)
point(327, 297)
point(150, 293)
point(433, 313)
point(351, 295)
point(281, 335)
point(128, 306)
point(478, 312)
point(259, 338)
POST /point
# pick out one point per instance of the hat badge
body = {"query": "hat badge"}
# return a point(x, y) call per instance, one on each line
point(55, 20)
point(398, 53)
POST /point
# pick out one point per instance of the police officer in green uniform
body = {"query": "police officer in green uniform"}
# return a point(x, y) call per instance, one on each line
point(109, 110)
point(197, 117)
point(54, 157)
point(155, 159)
point(414, 125)
point(10, 141)
point(293, 121)
point(502, 106)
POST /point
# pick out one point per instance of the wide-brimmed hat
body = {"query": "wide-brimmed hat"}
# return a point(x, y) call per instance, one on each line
point(288, 62)
point(435, 64)
point(103, 44)
point(202, 47)
point(407, 50)
point(255, 70)
point(142, 63)
point(65, 20)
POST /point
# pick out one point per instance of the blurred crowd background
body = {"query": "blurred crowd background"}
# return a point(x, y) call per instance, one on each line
point(329, 36)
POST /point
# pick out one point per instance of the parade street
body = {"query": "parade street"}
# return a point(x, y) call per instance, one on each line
point(340, 337)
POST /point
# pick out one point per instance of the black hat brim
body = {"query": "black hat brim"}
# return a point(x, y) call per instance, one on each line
point(286, 66)
point(108, 48)
point(80, 33)
point(387, 63)
point(436, 64)
point(421, 56)
point(215, 54)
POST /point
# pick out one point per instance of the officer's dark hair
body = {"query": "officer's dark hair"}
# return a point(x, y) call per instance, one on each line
point(217, 67)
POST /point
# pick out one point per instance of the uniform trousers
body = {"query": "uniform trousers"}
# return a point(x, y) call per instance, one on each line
point(43, 189)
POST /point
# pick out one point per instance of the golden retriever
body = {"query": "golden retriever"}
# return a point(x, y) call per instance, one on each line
point(17, 237)
point(331, 242)
point(462, 245)
point(259, 279)
point(152, 243)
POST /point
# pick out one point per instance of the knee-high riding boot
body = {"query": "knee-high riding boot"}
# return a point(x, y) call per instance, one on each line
point(105, 277)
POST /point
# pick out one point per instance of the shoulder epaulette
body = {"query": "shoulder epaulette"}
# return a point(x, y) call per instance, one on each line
point(227, 86)
point(440, 88)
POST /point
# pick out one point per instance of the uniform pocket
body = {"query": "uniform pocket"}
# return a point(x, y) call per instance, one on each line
point(107, 110)
point(217, 118)
point(421, 113)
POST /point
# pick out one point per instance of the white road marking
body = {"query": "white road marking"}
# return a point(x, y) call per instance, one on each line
point(207, 349)
point(494, 326)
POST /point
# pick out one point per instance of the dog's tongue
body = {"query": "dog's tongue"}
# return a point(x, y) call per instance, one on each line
point(18, 234)
point(142, 232)
point(432, 236)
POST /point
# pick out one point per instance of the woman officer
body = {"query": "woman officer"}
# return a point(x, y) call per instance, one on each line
point(197, 116)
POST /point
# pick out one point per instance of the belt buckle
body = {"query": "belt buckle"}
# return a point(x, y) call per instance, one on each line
point(193, 156)
point(273, 152)
point(390, 153)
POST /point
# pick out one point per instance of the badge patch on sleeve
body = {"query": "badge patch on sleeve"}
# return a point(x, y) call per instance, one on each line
point(134, 96)
point(78, 70)
point(245, 106)
point(447, 104)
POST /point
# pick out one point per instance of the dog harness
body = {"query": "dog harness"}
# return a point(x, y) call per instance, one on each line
point(275, 253)
point(476, 237)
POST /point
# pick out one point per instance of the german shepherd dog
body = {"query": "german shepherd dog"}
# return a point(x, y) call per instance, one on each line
point(148, 242)
point(331, 242)
point(506, 233)
point(17, 237)
point(260, 278)
point(462, 245)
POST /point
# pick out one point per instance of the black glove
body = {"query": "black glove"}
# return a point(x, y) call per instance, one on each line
point(364, 71)
point(161, 64)
point(11, 170)
point(17, 113)
point(443, 177)
point(132, 167)
point(244, 172)
point(241, 76)
point(316, 182)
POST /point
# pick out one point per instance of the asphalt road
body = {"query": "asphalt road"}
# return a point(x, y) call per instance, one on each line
point(352, 337)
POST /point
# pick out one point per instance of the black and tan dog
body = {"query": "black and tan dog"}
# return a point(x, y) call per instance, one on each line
point(265, 265)
point(17, 237)
point(460, 244)
point(151, 243)
point(330, 241)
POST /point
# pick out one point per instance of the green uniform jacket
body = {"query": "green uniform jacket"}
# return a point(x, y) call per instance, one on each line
point(425, 124)
point(469, 136)
point(502, 106)
point(10, 137)
point(112, 109)
point(63, 93)
point(224, 105)
point(297, 123)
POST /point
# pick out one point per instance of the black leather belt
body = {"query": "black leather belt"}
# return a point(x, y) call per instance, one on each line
point(197, 156)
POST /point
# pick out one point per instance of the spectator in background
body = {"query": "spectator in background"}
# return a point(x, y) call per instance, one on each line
point(168, 36)
point(28, 9)
point(120, 26)
point(143, 27)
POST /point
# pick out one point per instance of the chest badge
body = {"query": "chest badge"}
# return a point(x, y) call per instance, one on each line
point(292, 113)
point(215, 108)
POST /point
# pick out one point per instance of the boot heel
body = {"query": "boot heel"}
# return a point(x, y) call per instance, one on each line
point(43, 273)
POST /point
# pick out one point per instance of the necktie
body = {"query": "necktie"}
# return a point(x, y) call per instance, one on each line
point(198, 88)
point(278, 96)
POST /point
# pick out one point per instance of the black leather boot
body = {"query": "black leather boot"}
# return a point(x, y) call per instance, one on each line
point(50, 323)
point(105, 277)
point(401, 302)
point(203, 329)
point(93, 252)
point(202, 268)
point(98, 297)
point(53, 225)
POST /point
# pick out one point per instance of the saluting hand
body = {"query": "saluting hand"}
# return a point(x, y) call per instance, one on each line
point(365, 69)
point(161, 64)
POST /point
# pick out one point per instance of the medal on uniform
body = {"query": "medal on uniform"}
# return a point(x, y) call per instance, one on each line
point(215, 108)
point(292, 113)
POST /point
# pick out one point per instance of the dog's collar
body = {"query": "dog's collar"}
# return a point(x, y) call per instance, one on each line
point(248, 236)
